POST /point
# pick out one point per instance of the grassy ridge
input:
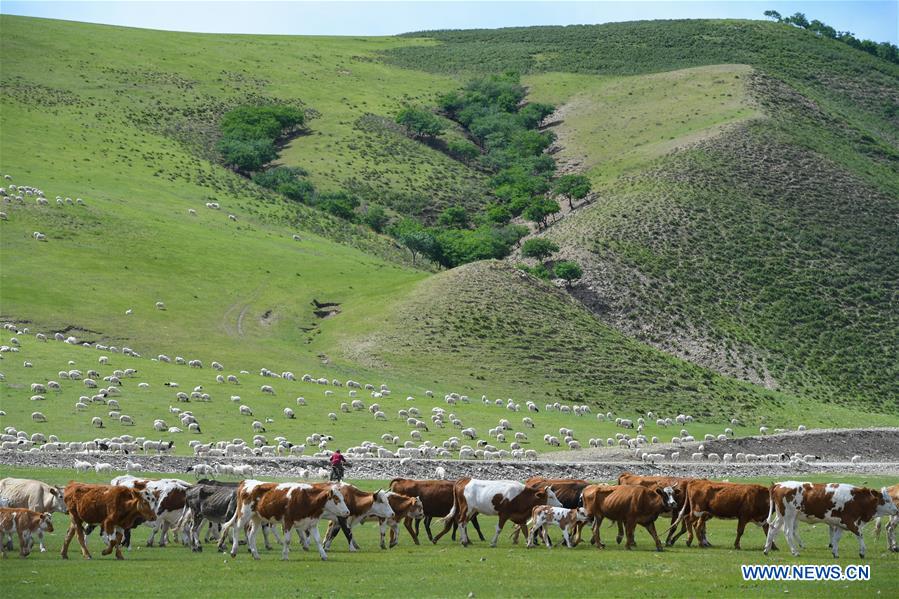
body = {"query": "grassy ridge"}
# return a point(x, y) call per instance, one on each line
point(435, 571)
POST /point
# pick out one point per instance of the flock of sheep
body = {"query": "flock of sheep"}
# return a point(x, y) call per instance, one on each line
point(12, 194)
point(500, 442)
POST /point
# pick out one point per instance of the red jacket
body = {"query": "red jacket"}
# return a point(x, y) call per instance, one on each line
point(337, 458)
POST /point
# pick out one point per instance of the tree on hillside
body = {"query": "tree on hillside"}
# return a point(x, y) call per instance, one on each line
point(773, 14)
point(569, 271)
point(538, 248)
point(376, 218)
point(414, 237)
point(453, 217)
point(420, 122)
point(797, 19)
point(572, 187)
point(539, 210)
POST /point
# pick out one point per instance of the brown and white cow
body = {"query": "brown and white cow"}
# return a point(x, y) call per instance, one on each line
point(362, 506)
point(892, 522)
point(707, 499)
point(628, 505)
point(115, 509)
point(507, 499)
point(436, 500)
point(171, 497)
point(677, 483)
point(840, 506)
point(23, 523)
point(32, 495)
point(293, 505)
point(565, 518)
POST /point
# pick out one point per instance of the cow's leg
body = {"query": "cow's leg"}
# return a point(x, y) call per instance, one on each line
point(23, 543)
point(567, 537)
point(330, 533)
point(597, 540)
point(285, 539)
point(700, 530)
point(891, 533)
point(268, 545)
point(499, 528)
point(463, 528)
point(861, 541)
point(164, 527)
point(772, 533)
point(629, 528)
point(347, 529)
point(544, 533)
point(154, 526)
point(620, 533)
point(741, 526)
point(318, 542)
point(40, 540)
point(477, 527)
point(651, 527)
point(407, 522)
point(395, 534)
point(255, 525)
point(81, 541)
point(835, 534)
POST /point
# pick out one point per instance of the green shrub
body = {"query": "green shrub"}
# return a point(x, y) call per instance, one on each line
point(539, 248)
point(568, 270)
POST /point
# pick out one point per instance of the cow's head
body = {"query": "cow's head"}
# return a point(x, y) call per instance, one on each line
point(380, 507)
point(580, 514)
point(147, 503)
point(417, 510)
point(59, 504)
point(551, 498)
point(887, 507)
point(46, 522)
point(667, 495)
point(335, 504)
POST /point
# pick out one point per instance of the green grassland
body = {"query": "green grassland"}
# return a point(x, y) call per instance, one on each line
point(129, 125)
point(611, 125)
point(446, 569)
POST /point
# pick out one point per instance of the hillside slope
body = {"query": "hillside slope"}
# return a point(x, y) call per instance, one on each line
point(128, 124)
point(745, 219)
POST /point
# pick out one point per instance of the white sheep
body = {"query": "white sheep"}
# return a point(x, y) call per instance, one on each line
point(38, 417)
point(126, 420)
point(267, 389)
point(160, 305)
point(245, 410)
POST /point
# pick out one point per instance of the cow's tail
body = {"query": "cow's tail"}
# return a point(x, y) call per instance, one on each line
point(770, 518)
point(680, 517)
point(449, 517)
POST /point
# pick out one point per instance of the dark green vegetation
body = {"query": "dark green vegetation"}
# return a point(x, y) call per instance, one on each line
point(249, 134)
point(884, 50)
point(446, 569)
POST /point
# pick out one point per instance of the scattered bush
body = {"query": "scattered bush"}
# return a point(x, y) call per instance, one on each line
point(568, 270)
point(249, 134)
point(539, 248)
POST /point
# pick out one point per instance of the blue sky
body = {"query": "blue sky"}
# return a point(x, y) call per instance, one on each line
point(878, 20)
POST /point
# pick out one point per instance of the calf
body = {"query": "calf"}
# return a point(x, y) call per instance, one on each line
point(404, 508)
point(362, 506)
point(712, 499)
point(436, 500)
point(568, 491)
point(629, 505)
point(677, 483)
point(507, 499)
point(565, 518)
point(840, 506)
point(32, 495)
point(892, 522)
point(170, 494)
point(115, 509)
point(23, 523)
point(292, 505)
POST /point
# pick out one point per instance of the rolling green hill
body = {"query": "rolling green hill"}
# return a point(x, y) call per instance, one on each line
point(126, 119)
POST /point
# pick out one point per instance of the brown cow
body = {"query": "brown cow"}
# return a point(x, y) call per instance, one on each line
point(840, 506)
point(713, 499)
point(24, 523)
point(404, 508)
point(436, 500)
point(362, 506)
point(115, 509)
point(630, 505)
point(292, 505)
point(677, 483)
point(507, 499)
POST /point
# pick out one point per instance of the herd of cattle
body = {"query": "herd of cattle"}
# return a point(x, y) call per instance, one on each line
point(251, 506)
